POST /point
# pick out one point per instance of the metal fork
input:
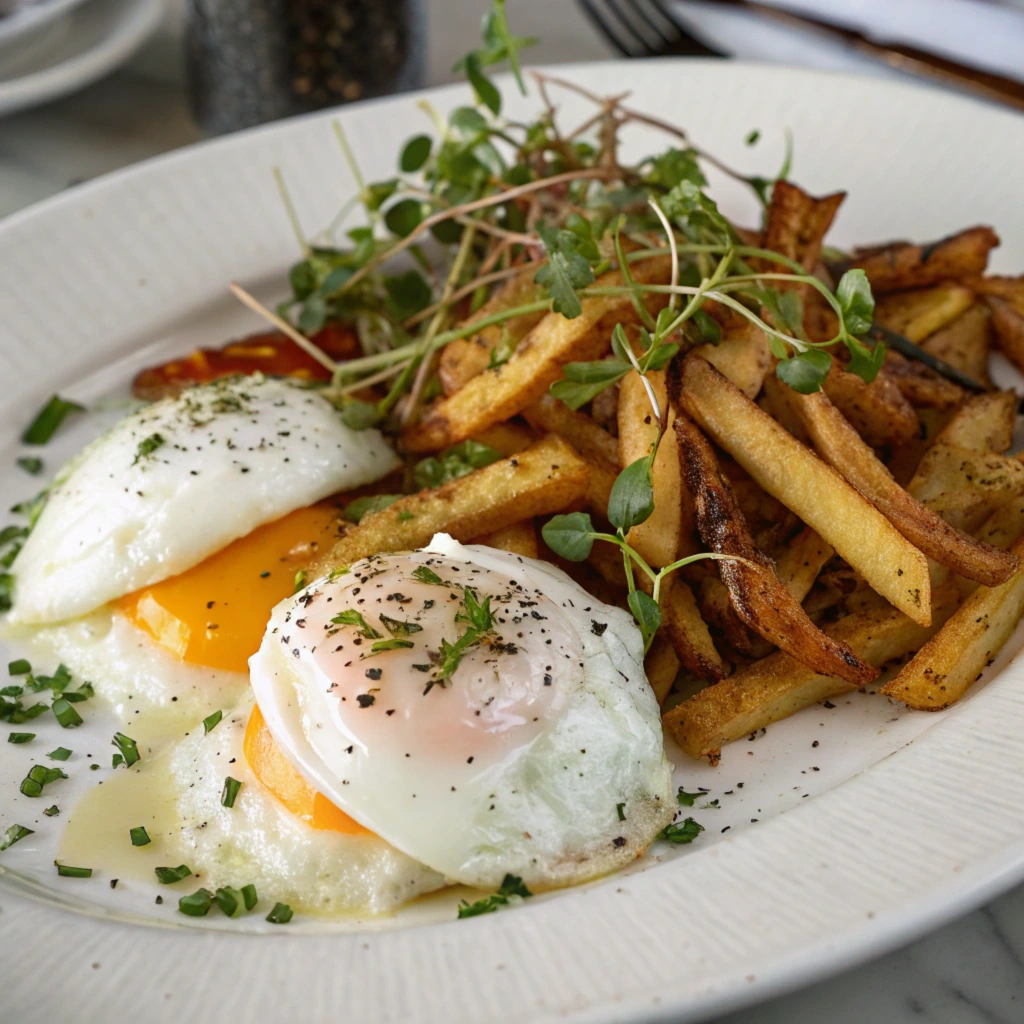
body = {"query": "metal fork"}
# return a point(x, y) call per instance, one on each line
point(645, 28)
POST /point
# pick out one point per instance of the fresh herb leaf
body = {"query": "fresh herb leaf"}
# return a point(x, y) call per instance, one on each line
point(685, 799)
point(856, 302)
point(299, 581)
point(571, 535)
point(424, 574)
point(65, 713)
point(415, 153)
point(168, 876)
point(19, 667)
point(230, 791)
point(127, 747)
point(147, 446)
point(20, 737)
point(582, 382)
point(631, 501)
point(13, 835)
point(511, 886)
point(806, 371)
point(646, 612)
point(864, 361)
point(48, 419)
point(567, 270)
point(681, 833)
point(350, 617)
point(355, 510)
point(453, 463)
point(396, 627)
point(404, 217)
point(52, 811)
point(407, 294)
point(139, 836)
point(486, 91)
point(210, 722)
point(477, 614)
point(31, 465)
point(60, 754)
point(391, 644)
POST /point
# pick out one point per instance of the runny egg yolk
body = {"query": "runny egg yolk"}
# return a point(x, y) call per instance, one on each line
point(214, 614)
point(275, 771)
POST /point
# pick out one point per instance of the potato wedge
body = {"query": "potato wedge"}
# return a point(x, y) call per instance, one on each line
point(801, 561)
point(757, 595)
point(815, 492)
point(743, 355)
point(547, 477)
point(945, 667)
point(778, 686)
point(508, 438)
point(661, 667)
point(920, 385)
point(658, 539)
point(843, 449)
point(689, 633)
point(1008, 322)
point(899, 266)
point(879, 411)
point(518, 539)
point(984, 423)
point(920, 313)
point(1002, 529)
point(1009, 288)
point(965, 343)
point(797, 224)
point(464, 358)
point(496, 394)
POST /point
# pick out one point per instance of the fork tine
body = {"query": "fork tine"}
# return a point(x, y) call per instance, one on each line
point(666, 38)
point(629, 22)
point(598, 18)
point(694, 45)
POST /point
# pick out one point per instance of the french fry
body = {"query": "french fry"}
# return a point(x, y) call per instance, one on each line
point(984, 423)
point(593, 442)
point(743, 355)
point(658, 538)
point(778, 686)
point(518, 539)
point(464, 358)
point(547, 477)
point(815, 492)
point(507, 438)
point(757, 595)
point(919, 384)
point(1009, 288)
point(879, 411)
point(801, 561)
point(965, 343)
point(661, 667)
point(689, 633)
point(496, 394)
point(716, 609)
point(920, 313)
point(1008, 322)
point(897, 267)
point(1002, 529)
point(797, 224)
point(843, 449)
point(945, 667)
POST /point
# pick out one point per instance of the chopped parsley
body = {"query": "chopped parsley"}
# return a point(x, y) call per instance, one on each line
point(352, 618)
point(685, 799)
point(511, 886)
point(681, 833)
point(147, 446)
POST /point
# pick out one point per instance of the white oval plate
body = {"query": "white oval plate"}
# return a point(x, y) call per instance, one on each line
point(33, 16)
point(827, 854)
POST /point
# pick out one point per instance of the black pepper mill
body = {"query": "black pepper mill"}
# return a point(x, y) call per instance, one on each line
point(252, 61)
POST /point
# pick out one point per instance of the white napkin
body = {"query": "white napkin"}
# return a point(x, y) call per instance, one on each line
point(978, 33)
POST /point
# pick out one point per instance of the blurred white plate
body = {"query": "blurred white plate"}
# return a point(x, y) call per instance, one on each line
point(842, 832)
point(89, 42)
point(33, 16)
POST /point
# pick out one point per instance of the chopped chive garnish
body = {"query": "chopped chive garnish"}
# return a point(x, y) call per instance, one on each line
point(139, 836)
point(212, 721)
point(52, 812)
point(33, 712)
point(19, 667)
point(60, 754)
point(230, 791)
point(68, 717)
point(127, 747)
point(31, 464)
point(300, 580)
point(48, 419)
point(168, 876)
point(11, 691)
point(6, 589)
point(249, 895)
point(281, 914)
point(13, 834)
point(230, 901)
point(20, 737)
point(66, 871)
point(196, 904)
point(619, 811)
point(94, 767)
point(38, 777)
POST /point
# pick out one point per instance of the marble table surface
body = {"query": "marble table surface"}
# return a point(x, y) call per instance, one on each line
point(969, 972)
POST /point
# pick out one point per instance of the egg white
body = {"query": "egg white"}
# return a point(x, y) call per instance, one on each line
point(259, 841)
point(584, 793)
point(232, 455)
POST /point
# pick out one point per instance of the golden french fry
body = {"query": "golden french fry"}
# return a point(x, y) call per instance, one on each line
point(920, 313)
point(801, 561)
point(464, 358)
point(879, 411)
point(743, 355)
point(1002, 529)
point(965, 343)
point(661, 667)
point(778, 686)
point(842, 448)
point(797, 224)
point(689, 633)
point(507, 438)
point(945, 667)
point(547, 477)
point(518, 539)
point(1009, 288)
point(984, 423)
point(758, 596)
point(1008, 322)
point(896, 267)
point(658, 539)
point(496, 394)
point(593, 442)
point(815, 492)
